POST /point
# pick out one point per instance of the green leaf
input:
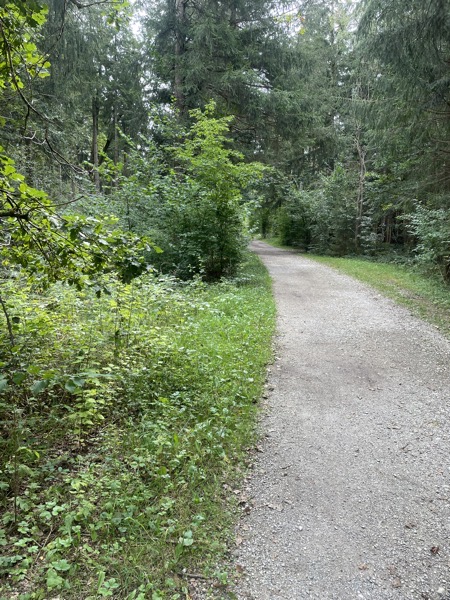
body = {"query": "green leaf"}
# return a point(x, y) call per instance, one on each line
point(54, 581)
point(39, 386)
point(188, 539)
point(61, 565)
point(71, 386)
point(19, 377)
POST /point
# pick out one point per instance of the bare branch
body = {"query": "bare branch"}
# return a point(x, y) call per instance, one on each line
point(62, 160)
point(8, 321)
point(15, 215)
point(80, 5)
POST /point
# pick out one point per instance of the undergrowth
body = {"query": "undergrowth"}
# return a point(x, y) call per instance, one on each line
point(125, 419)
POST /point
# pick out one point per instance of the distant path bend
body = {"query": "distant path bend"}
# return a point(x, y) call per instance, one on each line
point(351, 492)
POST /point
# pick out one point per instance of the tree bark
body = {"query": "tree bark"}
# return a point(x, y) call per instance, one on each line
point(361, 183)
point(180, 17)
point(8, 321)
point(94, 153)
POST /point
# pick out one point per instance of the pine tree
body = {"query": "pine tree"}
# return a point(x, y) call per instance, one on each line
point(411, 45)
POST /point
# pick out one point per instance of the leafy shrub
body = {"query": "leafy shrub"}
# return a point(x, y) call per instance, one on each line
point(432, 230)
point(188, 198)
point(293, 223)
point(333, 213)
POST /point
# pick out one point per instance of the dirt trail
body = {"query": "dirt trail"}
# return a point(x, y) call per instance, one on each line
point(351, 492)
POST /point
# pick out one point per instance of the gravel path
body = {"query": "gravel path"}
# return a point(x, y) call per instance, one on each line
point(350, 495)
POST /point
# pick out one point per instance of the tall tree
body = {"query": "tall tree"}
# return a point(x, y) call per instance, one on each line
point(412, 46)
point(230, 51)
point(96, 86)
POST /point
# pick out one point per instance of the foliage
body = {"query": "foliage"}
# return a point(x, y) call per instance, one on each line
point(207, 221)
point(432, 230)
point(20, 57)
point(322, 219)
point(34, 237)
point(69, 248)
point(20, 60)
point(127, 396)
point(292, 223)
point(124, 415)
point(188, 196)
point(406, 51)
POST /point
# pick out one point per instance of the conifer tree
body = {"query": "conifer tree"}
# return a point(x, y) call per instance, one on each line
point(411, 44)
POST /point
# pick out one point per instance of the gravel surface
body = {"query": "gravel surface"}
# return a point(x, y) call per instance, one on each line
point(350, 495)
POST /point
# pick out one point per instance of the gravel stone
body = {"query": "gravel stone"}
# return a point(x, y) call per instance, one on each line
point(350, 492)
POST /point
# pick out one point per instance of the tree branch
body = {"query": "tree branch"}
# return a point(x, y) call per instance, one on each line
point(8, 321)
point(15, 215)
point(62, 160)
point(80, 5)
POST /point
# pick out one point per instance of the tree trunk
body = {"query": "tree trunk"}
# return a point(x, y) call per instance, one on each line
point(180, 16)
point(233, 15)
point(116, 147)
point(361, 184)
point(94, 152)
point(116, 137)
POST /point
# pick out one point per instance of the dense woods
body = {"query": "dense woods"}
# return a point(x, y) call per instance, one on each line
point(142, 144)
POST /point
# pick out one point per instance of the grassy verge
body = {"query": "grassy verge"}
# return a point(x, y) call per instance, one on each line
point(426, 296)
point(126, 420)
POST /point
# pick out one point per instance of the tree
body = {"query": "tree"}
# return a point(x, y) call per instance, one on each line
point(96, 79)
point(237, 52)
point(407, 48)
point(211, 233)
point(36, 237)
point(411, 46)
point(190, 197)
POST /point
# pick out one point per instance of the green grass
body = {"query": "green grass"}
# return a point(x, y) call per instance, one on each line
point(117, 470)
point(426, 296)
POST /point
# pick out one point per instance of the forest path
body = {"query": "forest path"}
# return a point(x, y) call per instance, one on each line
point(350, 493)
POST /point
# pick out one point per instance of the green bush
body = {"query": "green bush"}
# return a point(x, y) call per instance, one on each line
point(188, 198)
point(431, 227)
point(293, 221)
